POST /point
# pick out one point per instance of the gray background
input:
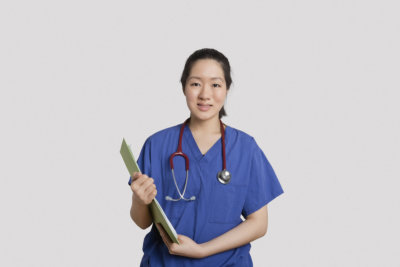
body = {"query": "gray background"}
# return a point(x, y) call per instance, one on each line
point(315, 82)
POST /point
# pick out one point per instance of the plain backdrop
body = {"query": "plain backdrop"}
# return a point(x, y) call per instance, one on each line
point(316, 83)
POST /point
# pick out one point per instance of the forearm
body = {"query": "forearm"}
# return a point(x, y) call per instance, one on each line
point(254, 227)
point(140, 214)
point(244, 233)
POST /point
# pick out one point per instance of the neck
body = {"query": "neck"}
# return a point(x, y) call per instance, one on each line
point(206, 126)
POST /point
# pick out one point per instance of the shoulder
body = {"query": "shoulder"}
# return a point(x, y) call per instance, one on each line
point(241, 137)
point(163, 136)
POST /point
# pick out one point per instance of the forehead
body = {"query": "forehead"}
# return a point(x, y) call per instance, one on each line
point(206, 69)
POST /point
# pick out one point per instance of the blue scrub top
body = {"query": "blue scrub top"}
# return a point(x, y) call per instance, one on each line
point(217, 207)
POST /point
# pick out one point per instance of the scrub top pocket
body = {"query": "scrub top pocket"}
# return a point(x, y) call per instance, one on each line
point(174, 209)
point(227, 203)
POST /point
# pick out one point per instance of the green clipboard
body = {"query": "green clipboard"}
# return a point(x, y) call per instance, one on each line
point(157, 212)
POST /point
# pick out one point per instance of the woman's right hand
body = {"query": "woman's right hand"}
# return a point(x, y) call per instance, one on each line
point(143, 188)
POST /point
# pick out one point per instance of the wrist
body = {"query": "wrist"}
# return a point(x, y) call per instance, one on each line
point(137, 202)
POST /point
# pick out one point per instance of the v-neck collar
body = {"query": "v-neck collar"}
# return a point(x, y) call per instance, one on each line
point(216, 148)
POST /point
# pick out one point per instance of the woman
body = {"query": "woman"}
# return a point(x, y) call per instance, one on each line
point(207, 213)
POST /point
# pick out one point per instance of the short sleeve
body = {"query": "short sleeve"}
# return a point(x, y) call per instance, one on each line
point(263, 184)
point(144, 159)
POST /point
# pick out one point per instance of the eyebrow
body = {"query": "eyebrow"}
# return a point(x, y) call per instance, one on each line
point(212, 78)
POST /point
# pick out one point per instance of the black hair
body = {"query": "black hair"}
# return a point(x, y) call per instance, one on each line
point(208, 53)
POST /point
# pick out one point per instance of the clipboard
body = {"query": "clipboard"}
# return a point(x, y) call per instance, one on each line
point(159, 217)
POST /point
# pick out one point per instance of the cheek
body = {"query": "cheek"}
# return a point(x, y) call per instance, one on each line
point(220, 97)
point(190, 97)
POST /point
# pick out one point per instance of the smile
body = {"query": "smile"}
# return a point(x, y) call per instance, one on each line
point(204, 107)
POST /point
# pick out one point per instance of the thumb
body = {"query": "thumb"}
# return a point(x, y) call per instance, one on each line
point(181, 238)
point(136, 175)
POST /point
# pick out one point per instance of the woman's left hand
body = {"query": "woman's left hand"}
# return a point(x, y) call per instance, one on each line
point(186, 248)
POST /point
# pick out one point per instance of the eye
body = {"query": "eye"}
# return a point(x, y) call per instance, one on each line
point(216, 85)
point(194, 84)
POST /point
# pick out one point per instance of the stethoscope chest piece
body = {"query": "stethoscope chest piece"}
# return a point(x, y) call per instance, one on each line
point(224, 176)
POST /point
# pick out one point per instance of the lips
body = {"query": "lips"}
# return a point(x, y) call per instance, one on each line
point(204, 107)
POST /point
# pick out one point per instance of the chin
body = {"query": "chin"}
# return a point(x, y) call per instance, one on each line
point(204, 117)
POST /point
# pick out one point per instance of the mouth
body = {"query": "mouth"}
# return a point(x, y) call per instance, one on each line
point(204, 107)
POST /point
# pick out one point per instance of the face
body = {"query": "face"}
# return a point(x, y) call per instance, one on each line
point(205, 89)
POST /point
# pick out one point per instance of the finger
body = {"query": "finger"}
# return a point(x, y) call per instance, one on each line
point(150, 188)
point(163, 235)
point(173, 249)
point(142, 179)
point(150, 196)
point(146, 183)
point(138, 182)
point(165, 240)
point(136, 175)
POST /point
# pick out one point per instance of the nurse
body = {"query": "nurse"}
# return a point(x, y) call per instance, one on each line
point(208, 221)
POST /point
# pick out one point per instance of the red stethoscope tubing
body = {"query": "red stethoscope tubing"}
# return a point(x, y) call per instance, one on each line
point(179, 151)
point(223, 176)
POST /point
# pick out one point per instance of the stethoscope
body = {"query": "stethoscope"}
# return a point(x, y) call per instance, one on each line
point(223, 176)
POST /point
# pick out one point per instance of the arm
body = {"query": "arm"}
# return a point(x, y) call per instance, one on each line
point(144, 191)
point(254, 227)
point(140, 214)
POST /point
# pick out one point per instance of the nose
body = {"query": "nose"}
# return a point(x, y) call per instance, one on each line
point(205, 92)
